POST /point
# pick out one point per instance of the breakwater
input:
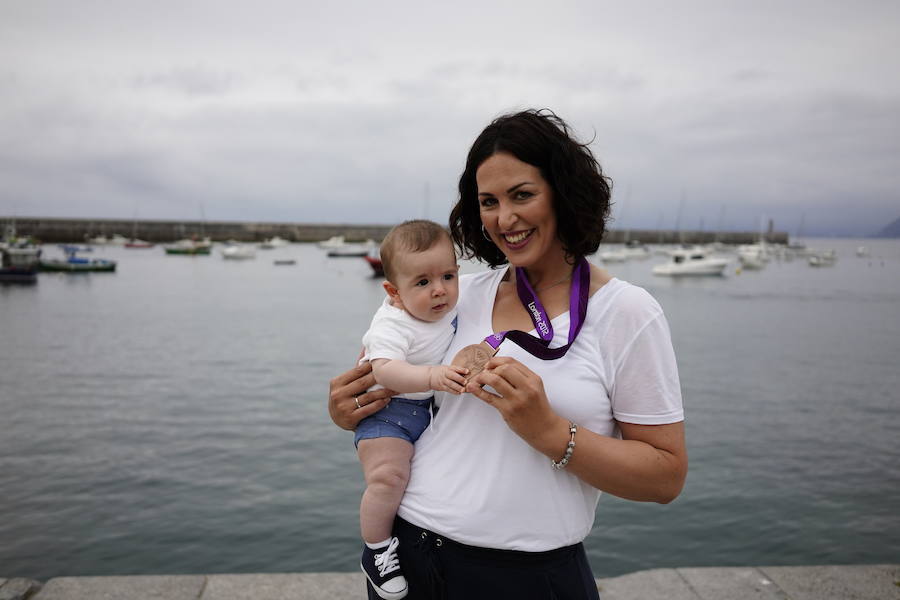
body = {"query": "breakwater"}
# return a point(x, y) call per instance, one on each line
point(58, 230)
point(863, 582)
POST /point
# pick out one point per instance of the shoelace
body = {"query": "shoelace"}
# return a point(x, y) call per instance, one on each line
point(387, 561)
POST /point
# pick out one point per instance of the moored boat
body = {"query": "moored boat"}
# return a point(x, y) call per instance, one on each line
point(691, 262)
point(239, 252)
point(67, 248)
point(136, 243)
point(76, 264)
point(824, 258)
point(353, 250)
point(611, 256)
point(751, 260)
point(190, 247)
point(635, 249)
point(335, 241)
point(273, 242)
point(18, 265)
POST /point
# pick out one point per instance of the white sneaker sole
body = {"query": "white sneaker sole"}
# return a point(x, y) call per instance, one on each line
point(382, 593)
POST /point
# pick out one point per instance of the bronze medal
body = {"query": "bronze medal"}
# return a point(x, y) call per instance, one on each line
point(473, 357)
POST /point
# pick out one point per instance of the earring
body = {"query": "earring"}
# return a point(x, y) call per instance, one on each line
point(485, 234)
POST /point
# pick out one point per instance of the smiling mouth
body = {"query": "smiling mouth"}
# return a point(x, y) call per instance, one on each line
point(439, 306)
point(517, 238)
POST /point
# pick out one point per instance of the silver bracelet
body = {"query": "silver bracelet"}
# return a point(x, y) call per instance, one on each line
point(570, 448)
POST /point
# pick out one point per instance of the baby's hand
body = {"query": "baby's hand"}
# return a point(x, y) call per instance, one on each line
point(447, 378)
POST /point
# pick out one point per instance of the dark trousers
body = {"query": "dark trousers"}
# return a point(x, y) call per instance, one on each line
point(441, 569)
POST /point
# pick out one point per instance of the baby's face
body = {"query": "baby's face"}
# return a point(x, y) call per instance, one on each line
point(427, 282)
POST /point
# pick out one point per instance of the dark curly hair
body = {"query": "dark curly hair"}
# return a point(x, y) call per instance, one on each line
point(581, 193)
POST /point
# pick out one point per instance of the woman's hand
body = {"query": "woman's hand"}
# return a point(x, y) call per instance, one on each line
point(520, 398)
point(648, 464)
point(348, 400)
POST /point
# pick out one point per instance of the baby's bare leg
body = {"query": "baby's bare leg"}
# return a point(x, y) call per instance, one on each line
point(385, 463)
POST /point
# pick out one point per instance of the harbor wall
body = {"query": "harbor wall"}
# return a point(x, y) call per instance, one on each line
point(56, 230)
point(861, 582)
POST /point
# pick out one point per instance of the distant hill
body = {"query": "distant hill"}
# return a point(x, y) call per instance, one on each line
point(891, 231)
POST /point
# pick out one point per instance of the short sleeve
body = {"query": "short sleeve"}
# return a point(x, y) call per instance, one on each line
point(387, 338)
point(389, 335)
point(646, 388)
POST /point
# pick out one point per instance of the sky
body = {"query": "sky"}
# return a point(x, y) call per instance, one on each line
point(705, 114)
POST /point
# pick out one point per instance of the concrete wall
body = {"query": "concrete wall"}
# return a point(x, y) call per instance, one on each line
point(860, 582)
point(54, 231)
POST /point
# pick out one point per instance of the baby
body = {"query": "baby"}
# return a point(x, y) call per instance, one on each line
point(405, 343)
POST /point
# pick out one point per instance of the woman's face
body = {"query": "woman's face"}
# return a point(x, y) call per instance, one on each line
point(516, 207)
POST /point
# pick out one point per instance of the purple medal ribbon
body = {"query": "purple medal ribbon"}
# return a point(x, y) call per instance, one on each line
point(540, 347)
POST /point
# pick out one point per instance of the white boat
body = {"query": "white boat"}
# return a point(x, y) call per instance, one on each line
point(239, 252)
point(353, 250)
point(756, 255)
point(751, 262)
point(862, 251)
point(635, 249)
point(691, 261)
point(190, 247)
point(752, 256)
point(613, 256)
point(333, 242)
point(274, 242)
point(824, 258)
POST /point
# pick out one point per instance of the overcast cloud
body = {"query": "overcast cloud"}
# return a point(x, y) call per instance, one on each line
point(363, 112)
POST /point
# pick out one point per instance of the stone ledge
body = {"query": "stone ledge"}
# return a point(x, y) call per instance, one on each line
point(18, 588)
point(859, 582)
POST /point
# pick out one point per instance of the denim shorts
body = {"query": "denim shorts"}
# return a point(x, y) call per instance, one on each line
point(401, 418)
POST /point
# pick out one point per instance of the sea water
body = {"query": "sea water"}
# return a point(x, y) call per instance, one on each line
point(172, 417)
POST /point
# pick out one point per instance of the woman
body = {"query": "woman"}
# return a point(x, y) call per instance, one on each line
point(504, 484)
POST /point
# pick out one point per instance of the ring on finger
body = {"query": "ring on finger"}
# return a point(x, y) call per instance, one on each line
point(356, 399)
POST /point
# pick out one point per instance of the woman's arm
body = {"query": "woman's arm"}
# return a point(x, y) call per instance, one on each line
point(649, 464)
point(345, 390)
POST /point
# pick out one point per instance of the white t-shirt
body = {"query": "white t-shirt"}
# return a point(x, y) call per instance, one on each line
point(395, 335)
point(477, 482)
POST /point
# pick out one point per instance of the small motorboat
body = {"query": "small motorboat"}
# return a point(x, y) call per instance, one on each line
point(285, 261)
point(691, 262)
point(239, 252)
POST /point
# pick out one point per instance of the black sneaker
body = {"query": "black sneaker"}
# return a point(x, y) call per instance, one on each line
point(382, 569)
